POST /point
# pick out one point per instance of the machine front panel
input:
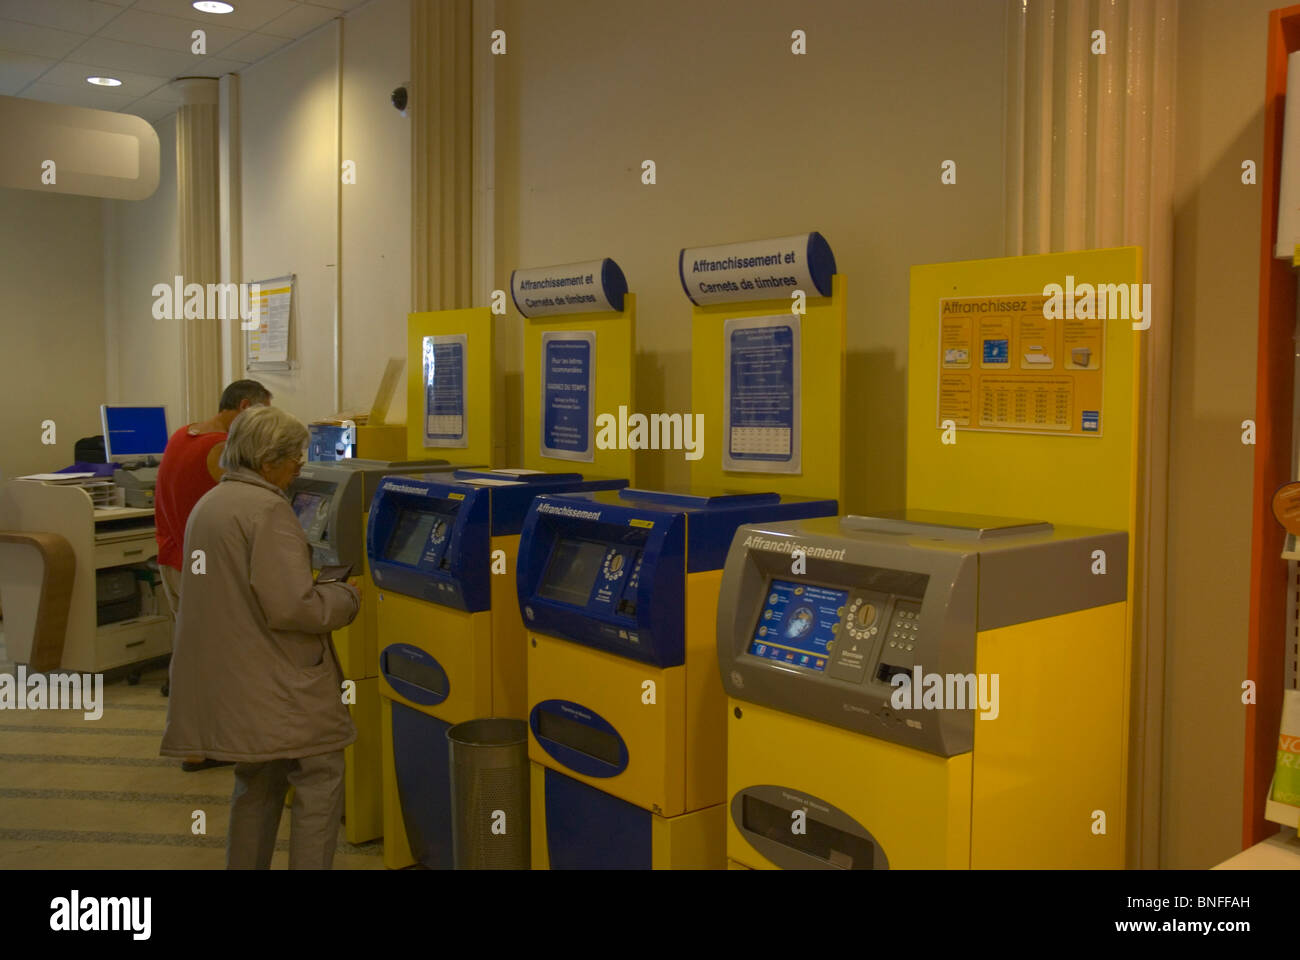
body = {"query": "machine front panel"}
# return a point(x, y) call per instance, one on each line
point(421, 757)
point(1050, 759)
point(327, 502)
point(831, 642)
point(363, 768)
point(587, 829)
point(909, 809)
point(444, 666)
point(588, 572)
point(592, 720)
point(802, 832)
point(429, 540)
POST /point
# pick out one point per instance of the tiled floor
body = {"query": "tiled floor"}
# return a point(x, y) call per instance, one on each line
point(76, 793)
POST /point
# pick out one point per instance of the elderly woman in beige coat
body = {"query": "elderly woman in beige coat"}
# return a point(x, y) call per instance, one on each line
point(254, 678)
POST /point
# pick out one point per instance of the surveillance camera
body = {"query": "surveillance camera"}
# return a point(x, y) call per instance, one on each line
point(399, 99)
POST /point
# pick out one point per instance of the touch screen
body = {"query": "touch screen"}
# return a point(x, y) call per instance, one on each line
point(410, 536)
point(307, 506)
point(572, 571)
point(798, 622)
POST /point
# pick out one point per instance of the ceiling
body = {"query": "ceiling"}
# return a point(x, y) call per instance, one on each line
point(49, 47)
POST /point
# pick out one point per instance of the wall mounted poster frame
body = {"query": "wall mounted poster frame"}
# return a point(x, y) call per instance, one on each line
point(266, 344)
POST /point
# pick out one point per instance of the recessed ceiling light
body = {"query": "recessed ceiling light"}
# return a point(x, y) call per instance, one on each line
point(212, 6)
point(104, 81)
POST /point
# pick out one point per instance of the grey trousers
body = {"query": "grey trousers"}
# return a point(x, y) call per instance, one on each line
point(258, 801)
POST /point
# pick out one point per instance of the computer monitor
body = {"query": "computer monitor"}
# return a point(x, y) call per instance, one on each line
point(133, 431)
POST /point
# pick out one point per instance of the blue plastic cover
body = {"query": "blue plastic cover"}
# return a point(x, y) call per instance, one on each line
point(609, 569)
point(431, 538)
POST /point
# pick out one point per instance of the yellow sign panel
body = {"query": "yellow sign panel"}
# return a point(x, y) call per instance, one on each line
point(1006, 366)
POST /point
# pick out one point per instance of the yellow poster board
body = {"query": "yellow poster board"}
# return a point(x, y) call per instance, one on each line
point(999, 459)
point(612, 339)
point(450, 418)
point(819, 401)
point(1012, 363)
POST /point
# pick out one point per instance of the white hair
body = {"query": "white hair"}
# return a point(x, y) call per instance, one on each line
point(263, 435)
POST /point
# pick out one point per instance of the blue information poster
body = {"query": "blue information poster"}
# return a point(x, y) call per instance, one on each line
point(568, 388)
point(444, 391)
point(762, 395)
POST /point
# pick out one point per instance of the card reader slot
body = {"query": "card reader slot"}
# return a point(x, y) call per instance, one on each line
point(887, 671)
point(833, 846)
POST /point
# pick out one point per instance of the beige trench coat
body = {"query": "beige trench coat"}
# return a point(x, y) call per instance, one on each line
point(253, 674)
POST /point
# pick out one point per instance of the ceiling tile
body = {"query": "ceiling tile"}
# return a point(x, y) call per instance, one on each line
point(78, 16)
point(37, 41)
point(247, 15)
point(168, 33)
point(254, 46)
point(151, 109)
point(301, 20)
point(71, 74)
point(339, 4)
point(18, 69)
point(101, 52)
point(74, 96)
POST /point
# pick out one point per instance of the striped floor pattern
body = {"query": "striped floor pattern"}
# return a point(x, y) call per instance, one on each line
point(78, 794)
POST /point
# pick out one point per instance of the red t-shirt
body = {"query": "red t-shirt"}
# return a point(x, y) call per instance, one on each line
point(183, 478)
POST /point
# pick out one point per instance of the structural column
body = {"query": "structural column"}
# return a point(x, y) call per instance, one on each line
point(196, 202)
point(442, 138)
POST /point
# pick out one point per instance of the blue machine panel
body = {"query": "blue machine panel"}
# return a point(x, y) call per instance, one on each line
point(421, 756)
point(587, 829)
point(609, 569)
point(429, 537)
point(579, 738)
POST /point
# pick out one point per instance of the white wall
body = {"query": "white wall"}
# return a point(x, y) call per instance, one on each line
point(288, 140)
point(377, 209)
point(51, 328)
point(291, 213)
point(141, 248)
point(751, 141)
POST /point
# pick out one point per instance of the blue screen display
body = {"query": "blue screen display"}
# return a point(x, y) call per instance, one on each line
point(135, 431)
point(799, 621)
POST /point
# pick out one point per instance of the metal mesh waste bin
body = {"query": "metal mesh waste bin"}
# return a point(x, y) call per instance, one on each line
point(489, 794)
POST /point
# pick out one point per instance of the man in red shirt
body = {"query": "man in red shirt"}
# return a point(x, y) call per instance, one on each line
point(189, 469)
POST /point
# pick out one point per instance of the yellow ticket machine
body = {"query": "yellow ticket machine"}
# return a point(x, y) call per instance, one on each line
point(933, 691)
point(442, 553)
point(619, 595)
point(331, 500)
